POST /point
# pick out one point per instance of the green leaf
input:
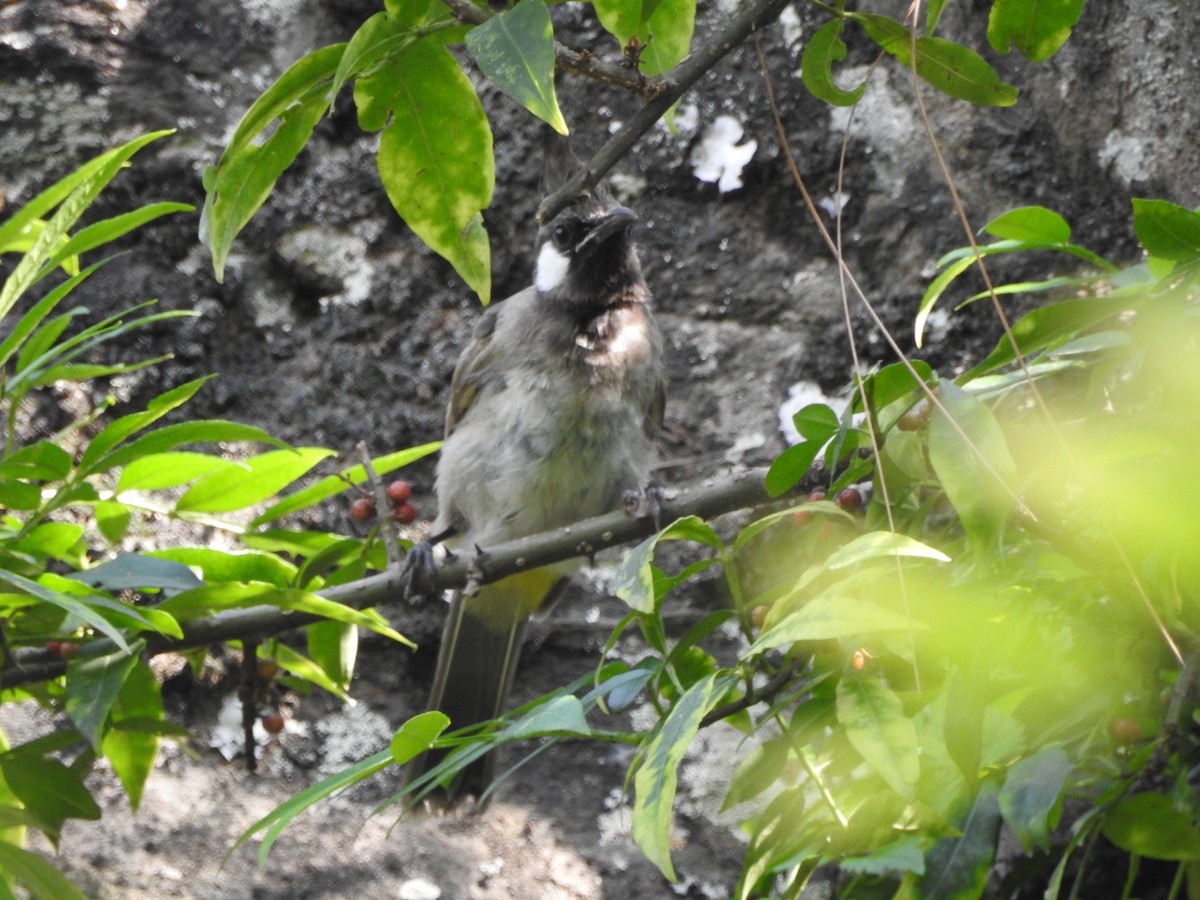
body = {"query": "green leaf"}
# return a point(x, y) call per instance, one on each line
point(953, 69)
point(515, 49)
point(435, 158)
point(790, 466)
point(108, 230)
point(417, 735)
point(335, 484)
point(657, 777)
point(201, 431)
point(99, 173)
point(634, 581)
point(250, 481)
point(166, 470)
point(562, 716)
point(1037, 27)
point(34, 316)
point(93, 683)
point(309, 670)
point(825, 48)
point(776, 836)
point(70, 604)
point(903, 855)
point(663, 27)
point(957, 867)
point(42, 880)
point(112, 519)
point(1030, 797)
point(1046, 328)
point(830, 616)
point(48, 789)
point(125, 427)
point(969, 453)
point(132, 750)
point(377, 40)
point(334, 647)
point(757, 771)
point(245, 174)
point(878, 729)
point(1031, 224)
point(274, 822)
point(1166, 230)
point(1148, 824)
point(56, 540)
point(204, 601)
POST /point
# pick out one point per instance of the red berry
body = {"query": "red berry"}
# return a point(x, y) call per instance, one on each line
point(804, 516)
point(273, 722)
point(859, 660)
point(1125, 731)
point(64, 649)
point(405, 513)
point(362, 509)
point(399, 491)
point(267, 668)
point(849, 499)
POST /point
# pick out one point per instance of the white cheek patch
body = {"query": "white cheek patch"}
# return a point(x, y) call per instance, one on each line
point(551, 268)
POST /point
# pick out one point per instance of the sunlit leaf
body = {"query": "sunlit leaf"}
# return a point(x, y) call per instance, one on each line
point(634, 581)
point(435, 156)
point(562, 716)
point(417, 735)
point(342, 481)
point(663, 28)
point(250, 481)
point(36, 875)
point(1030, 224)
point(830, 616)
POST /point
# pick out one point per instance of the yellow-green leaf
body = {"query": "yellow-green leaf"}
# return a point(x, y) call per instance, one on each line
point(435, 158)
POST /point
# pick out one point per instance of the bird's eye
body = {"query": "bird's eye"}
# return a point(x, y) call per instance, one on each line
point(563, 235)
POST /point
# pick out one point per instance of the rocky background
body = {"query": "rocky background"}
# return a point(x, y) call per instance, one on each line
point(335, 325)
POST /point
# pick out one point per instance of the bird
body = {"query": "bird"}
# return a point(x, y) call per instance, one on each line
point(555, 406)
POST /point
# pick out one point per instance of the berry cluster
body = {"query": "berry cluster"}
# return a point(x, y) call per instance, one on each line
point(399, 492)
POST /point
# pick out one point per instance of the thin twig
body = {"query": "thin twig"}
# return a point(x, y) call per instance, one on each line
point(383, 507)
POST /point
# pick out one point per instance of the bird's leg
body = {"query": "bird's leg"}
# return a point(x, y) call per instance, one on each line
point(418, 566)
point(645, 503)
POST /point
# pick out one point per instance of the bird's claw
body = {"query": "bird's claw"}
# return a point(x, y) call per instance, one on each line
point(416, 571)
point(645, 503)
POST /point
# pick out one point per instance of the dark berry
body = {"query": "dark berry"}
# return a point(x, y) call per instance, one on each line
point(362, 509)
point(399, 491)
point(405, 513)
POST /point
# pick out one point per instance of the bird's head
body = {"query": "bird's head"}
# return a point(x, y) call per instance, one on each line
point(586, 254)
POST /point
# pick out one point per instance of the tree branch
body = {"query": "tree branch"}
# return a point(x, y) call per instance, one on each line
point(674, 84)
point(707, 501)
point(579, 62)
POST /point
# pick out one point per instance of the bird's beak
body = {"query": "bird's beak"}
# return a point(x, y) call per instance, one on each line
point(616, 219)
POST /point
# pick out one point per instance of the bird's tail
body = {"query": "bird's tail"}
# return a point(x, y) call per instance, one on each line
point(480, 648)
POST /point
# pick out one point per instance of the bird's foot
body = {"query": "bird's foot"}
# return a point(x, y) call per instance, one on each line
point(645, 503)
